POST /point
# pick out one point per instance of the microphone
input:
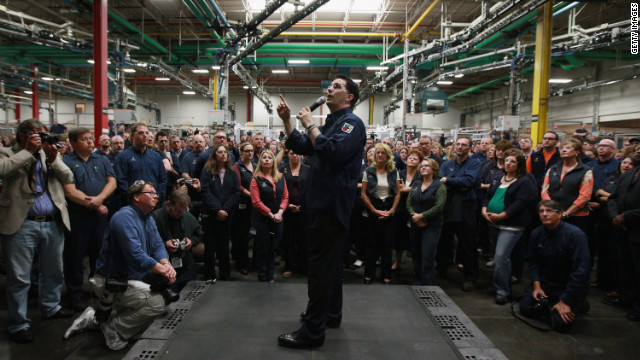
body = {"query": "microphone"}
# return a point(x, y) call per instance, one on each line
point(321, 100)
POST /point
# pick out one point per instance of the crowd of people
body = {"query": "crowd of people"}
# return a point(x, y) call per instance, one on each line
point(167, 200)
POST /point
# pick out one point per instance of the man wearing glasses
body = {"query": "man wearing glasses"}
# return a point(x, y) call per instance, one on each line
point(337, 149)
point(559, 263)
point(460, 211)
point(540, 161)
point(137, 163)
point(131, 248)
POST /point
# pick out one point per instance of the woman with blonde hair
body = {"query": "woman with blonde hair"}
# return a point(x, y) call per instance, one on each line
point(220, 197)
point(381, 185)
point(270, 198)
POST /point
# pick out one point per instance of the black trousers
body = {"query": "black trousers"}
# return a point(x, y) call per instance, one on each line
point(629, 269)
point(326, 243)
point(240, 237)
point(294, 242)
point(528, 308)
point(216, 244)
point(465, 231)
point(85, 238)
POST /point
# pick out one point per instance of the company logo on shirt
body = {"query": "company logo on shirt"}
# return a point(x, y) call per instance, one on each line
point(347, 128)
point(133, 158)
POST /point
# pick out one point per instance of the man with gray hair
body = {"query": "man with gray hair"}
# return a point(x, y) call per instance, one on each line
point(425, 147)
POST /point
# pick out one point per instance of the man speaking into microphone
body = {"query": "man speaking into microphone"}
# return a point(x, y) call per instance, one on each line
point(337, 150)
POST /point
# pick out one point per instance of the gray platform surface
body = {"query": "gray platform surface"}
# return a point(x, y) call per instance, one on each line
point(237, 320)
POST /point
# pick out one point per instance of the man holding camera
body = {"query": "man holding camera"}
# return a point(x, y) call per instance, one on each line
point(560, 265)
point(180, 231)
point(131, 249)
point(33, 215)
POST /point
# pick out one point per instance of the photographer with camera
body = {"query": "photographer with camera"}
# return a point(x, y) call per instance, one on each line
point(560, 265)
point(33, 216)
point(131, 249)
point(180, 232)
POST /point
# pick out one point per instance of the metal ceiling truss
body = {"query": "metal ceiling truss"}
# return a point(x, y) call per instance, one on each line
point(257, 90)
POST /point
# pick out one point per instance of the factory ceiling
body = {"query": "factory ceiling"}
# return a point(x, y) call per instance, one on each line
point(474, 44)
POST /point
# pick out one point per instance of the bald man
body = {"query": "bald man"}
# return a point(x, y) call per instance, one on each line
point(481, 155)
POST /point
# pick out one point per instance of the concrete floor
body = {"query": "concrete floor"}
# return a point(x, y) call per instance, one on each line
point(603, 333)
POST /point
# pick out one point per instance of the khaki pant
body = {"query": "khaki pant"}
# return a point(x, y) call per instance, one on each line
point(134, 309)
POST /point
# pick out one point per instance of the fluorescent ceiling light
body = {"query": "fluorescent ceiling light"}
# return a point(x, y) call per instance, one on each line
point(458, 76)
point(200, 71)
point(559, 81)
point(298, 61)
point(357, 81)
point(216, 67)
point(90, 61)
point(365, 7)
point(46, 78)
point(28, 92)
point(245, 87)
point(188, 92)
point(376, 68)
point(129, 70)
point(280, 71)
point(444, 82)
point(162, 79)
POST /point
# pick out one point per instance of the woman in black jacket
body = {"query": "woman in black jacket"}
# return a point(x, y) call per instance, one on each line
point(409, 176)
point(220, 197)
point(425, 204)
point(242, 217)
point(507, 207)
point(381, 187)
point(294, 235)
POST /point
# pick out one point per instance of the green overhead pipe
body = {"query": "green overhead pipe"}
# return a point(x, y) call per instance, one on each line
point(203, 20)
point(147, 39)
point(573, 61)
point(318, 62)
point(480, 86)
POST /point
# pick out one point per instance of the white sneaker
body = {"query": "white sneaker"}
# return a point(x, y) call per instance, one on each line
point(114, 341)
point(358, 263)
point(81, 323)
point(491, 263)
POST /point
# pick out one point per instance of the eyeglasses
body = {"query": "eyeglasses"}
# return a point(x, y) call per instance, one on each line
point(221, 137)
point(604, 145)
point(86, 138)
point(220, 152)
point(549, 138)
point(152, 193)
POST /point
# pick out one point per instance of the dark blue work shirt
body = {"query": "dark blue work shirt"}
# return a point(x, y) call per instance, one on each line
point(560, 260)
point(602, 171)
point(188, 164)
point(90, 177)
point(132, 165)
point(461, 177)
point(337, 159)
point(131, 245)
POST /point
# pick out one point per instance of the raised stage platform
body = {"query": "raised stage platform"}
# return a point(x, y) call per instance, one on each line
point(242, 320)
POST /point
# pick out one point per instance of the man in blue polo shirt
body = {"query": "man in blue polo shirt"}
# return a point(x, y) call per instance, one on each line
point(94, 180)
point(137, 163)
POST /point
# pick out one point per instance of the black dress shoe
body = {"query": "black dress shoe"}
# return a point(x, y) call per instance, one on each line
point(244, 271)
point(501, 299)
point(62, 313)
point(368, 281)
point(23, 336)
point(299, 340)
point(633, 316)
point(614, 301)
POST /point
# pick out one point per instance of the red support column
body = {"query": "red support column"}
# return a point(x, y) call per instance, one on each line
point(248, 105)
point(35, 98)
point(18, 106)
point(100, 94)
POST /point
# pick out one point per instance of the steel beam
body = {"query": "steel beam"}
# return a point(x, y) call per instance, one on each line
point(540, 103)
point(100, 97)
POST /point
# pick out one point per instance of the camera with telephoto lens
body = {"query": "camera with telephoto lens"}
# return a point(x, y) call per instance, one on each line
point(542, 303)
point(48, 138)
point(160, 284)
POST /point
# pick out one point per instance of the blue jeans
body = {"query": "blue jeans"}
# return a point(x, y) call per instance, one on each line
point(47, 240)
point(507, 240)
point(424, 242)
